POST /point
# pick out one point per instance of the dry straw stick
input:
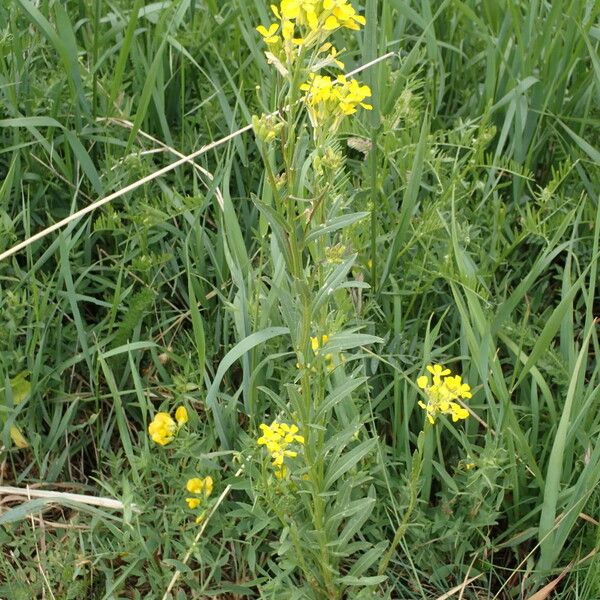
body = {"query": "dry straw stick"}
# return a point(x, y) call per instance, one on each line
point(140, 182)
point(64, 497)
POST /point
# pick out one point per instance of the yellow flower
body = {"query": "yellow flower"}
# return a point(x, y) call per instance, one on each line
point(277, 438)
point(455, 385)
point(196, 485)
point(290, 9)
point(319, 87)
point(330, 100)
point(342, 14)
point(438, 370)
point(163, 428)
point(458, 412)
point(202, 488)
point(181, 416)
point(193, 502)
point(269, 35)
point(423, 381)
point(303, 11)
point(443, 392)
point(306, 23)
point(352, 95)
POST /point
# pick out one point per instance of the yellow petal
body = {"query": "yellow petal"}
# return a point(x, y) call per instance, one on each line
point(193, 502)
point(331, 23)
point(181, 415)
point(194, 485)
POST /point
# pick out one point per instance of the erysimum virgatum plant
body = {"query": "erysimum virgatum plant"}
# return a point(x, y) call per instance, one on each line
point(309, 454)
point(306, 203)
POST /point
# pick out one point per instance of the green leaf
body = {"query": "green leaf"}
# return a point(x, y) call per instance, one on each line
point(347, 461)
point(334, 224)
point(241, 348)
point(339, 393)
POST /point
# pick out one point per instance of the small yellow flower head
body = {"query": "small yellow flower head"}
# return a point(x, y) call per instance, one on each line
point(163, 428)
point(438, 370)
point(352, 95)
point(269, 34)
point(277, 438)
point(455, 385)
point(443, 391)
point(307, 23)
point(330, 100)
point(323, 15)
point(193, 502)
point(342, 14)
point(181, 416)
point(196, 485)
point(202, 488)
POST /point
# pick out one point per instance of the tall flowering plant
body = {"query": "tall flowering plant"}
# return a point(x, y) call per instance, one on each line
point(305, 193)
point(310, 479)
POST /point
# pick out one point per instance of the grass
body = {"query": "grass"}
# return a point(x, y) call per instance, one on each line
point(479, 172)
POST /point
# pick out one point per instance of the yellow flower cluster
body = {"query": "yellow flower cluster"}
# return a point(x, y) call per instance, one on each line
point(304, 24)
point(164, 428)
point(202, 488)
point(329, 100)
point(442, 391)
point(314, 20)
point(277, 438)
